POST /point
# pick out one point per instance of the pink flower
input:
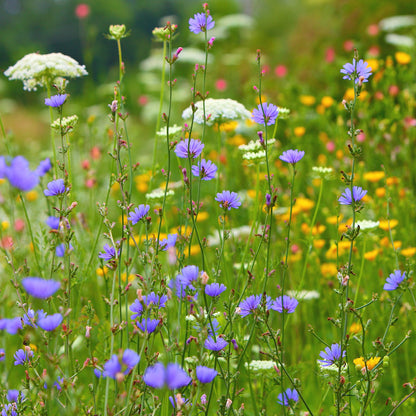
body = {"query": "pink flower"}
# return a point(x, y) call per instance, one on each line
point(82, 11)
point(221, 84)
point(330, 146)
point(373, 30)
point(330, 55)
point(348, 45)
point(280, 71)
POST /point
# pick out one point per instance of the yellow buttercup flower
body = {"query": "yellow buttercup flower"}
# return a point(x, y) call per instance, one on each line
point(307, 100)
point(371, 363)
point(349, 94)
point(371, 255)
point(299, 131)
point(334, 219)
point(304, 204)
point(380, 192)
point(384, 224)
point(327, 101)
point(329, 269)
point(374, 176)
point(373, 64)
point(402, 58)
point(5, 225)
point(32, 196)
point(237, 140)
point(408, 252)
point(393, 180)
point(385, 242)
point(319, 243)
point(101, 271)
point(355, 328)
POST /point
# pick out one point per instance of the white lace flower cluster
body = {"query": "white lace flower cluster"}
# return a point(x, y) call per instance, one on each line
point(254, 151)
point(260, 365)
point(158, 194)
point(322, 172)
point(217, 111)
point(66, 123)
point(36, 70)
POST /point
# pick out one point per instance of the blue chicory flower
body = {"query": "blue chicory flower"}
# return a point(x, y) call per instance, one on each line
point(356, 70)
point(265, 114)
point(331, 355)
point(113, 366)
point(346, 198)
point(249, 305)
point(20, 176)
point(60, 249)
point(56, 187)
point(168, 242)
point(228, 200)
point(217, 345)
point(215, 289)
point(52, 222)
point(22, 356)
point(286, 302)
point(56, 100)
point(394, 280)
point(173, 376)
point(205, 169)
point(40, 288)
point(109, 253)
point(292, 156)
point(11, 326)
point(289, 395)
point(50, 322)
point(139, 213)
point(201, 22)
point(44, 167)
point(205, 374)
point(195, 149)
point(148, 325)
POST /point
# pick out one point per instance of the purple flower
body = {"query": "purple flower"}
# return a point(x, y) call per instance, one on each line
point(195, 148)
point(22, 356)
point(56, 187)
point(55, 100)
point(9, 410)
point(205, 374)
point(137, 308)
point(356, 71)
point(249, 305)
point(113, 366)
point(2, 354)
point(173, 376)
point(50, 322)
point(292, 156)
point(331, 355)
point(58, 383)
point(11, 326)
point(188, 275)
point(215, 289)
point(228, 200)
point(148, 325)
point(20, 176)
point(52, 222)
point(287, 303)
point(205, 169)
point(14, 396)
point(393, 281)
point(109, 253)
point(177, 286)
point(40, 288)
point(201, 22)
point(139, 213)
point(169, 242)
point(283, 398)
point(153, 299)
point(60, 249)
point(174, 401)
point(217, 345)
point(31, 317)
point(358, 193)
point(265, 114)
point(44, 167)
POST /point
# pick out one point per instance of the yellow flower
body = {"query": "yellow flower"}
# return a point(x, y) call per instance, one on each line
point(32, 196)
point(5, 225)
point(131, 277)
point(304, 204)
point(237, 140)
point(115, 187)
point(374, 176)
point(334, 219)
point(384, 224)
point(329, 269)
point(316, 229)
point(202, 216)
point(319, 243)
point(102, 271)
point(91, 119)
point(263, 99)
point(408, 252)
point(229, 126)
point(182, 230)
point(402, 58)
point(339, 154)
point(355, 328)
point(2, 180)
point(320, 109)
point(307, 99)
point(349, 94)
point(389, 62)
point(299, 131)
point(393, 180)
point(380, 192)
point(385, 242)
point(371, 255)
point(327, 101)
point(251, 193)
point(142, 182)
point(373, 64)
point(371, 363)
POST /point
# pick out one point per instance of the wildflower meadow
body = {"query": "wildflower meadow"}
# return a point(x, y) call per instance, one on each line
point(237, 242)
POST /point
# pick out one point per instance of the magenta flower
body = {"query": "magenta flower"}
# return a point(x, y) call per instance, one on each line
point(201, 23)
point(265, 114)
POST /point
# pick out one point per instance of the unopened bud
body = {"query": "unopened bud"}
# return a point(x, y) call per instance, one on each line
point(228, 403)
point(88, 331)
point(204, 278)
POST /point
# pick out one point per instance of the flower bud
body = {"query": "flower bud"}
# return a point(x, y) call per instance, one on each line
point(117, 31)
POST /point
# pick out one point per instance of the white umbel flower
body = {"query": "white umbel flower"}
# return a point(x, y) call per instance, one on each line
point(218, 110)
point(260, 365)
point(36, 70)
point(65, 123)
point(366, 225)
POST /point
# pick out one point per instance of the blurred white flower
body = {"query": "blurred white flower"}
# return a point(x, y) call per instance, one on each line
point(36, 70)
